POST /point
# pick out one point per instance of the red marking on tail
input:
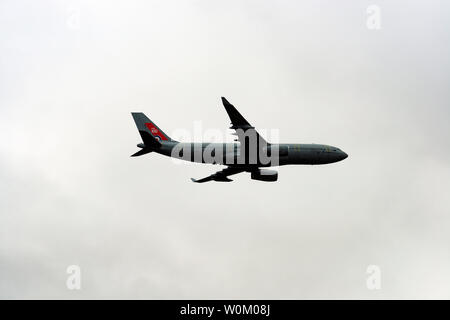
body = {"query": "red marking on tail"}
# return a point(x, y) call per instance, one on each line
point(155, 132)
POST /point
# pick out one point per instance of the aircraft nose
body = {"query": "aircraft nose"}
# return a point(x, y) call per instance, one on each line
point(343, 155)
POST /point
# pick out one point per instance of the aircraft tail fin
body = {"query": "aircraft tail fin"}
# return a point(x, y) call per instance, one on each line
point(144, 124)
point(152, 136)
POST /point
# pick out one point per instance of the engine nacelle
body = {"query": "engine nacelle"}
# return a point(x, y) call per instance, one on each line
point(265, 175)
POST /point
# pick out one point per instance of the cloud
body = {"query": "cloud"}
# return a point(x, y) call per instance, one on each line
point(139, 228)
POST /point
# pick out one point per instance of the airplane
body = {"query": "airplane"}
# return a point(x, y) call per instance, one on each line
point(252, 153)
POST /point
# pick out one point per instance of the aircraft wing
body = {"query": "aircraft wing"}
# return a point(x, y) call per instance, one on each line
point(220, 175)
point(239, 122)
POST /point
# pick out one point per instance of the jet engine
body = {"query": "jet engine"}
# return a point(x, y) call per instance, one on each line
point(265, 175)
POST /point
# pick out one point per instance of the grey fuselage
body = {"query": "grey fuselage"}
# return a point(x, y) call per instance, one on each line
point(230, 154)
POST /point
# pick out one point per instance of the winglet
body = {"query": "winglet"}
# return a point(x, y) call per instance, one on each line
point(224, 101)
point(237, 120)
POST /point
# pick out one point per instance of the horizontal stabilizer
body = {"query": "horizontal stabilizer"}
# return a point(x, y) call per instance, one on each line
point(141, 152)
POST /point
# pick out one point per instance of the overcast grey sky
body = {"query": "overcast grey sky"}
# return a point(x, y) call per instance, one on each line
point(72, 71)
